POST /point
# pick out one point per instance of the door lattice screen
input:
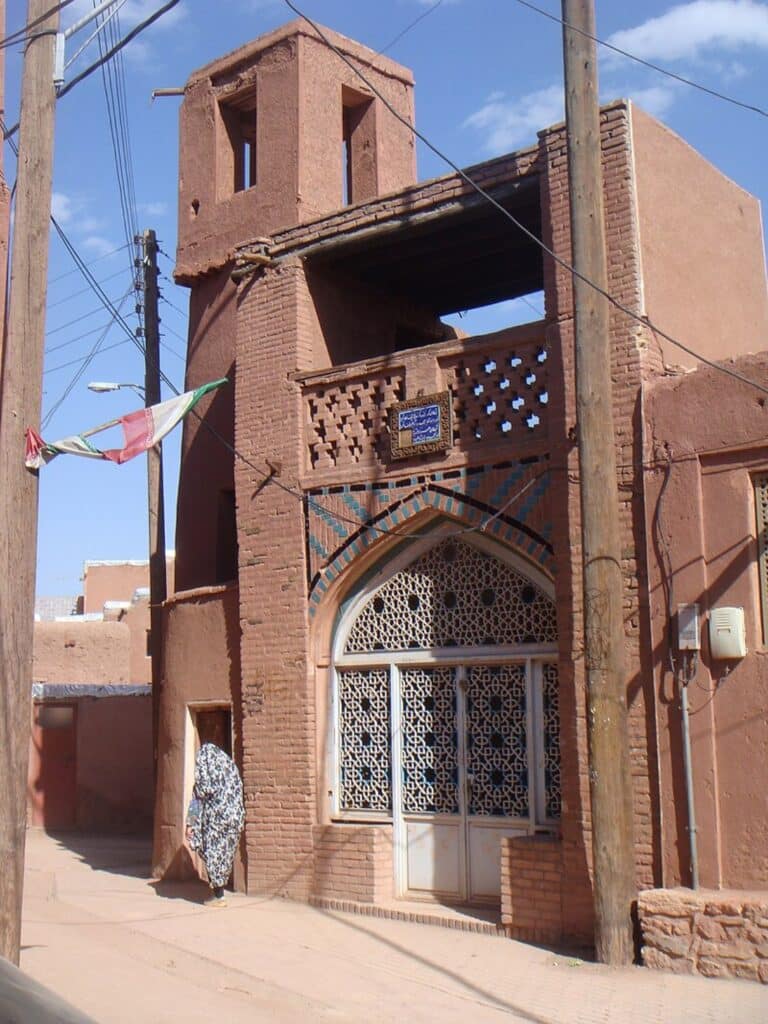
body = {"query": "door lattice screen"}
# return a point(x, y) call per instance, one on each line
point(454, 595)
point(497, 744)
point(365, 770)
point(429, 741)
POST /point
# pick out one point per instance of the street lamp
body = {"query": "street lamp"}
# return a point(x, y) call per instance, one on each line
point(158, 581)
point(101, 387)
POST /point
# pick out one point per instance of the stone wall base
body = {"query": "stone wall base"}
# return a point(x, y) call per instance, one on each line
point(716, 934)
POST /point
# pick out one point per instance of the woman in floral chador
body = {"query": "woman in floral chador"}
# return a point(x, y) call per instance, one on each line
point(214, 830)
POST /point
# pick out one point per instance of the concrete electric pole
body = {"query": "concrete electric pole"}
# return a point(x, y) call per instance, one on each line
point(20, 398)
point(156, 507)
point(610, 781)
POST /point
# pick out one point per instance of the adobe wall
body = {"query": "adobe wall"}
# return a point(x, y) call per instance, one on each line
point(114, 764)
point(290, 86)
point(82, 652)
point(201, 666)
point(706, 443)
point(137, 619)
point(392, 150)
point(633, 359)
point(112, 581)
point(702, 249)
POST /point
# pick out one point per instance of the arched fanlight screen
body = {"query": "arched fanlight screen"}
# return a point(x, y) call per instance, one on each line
point(454, 595)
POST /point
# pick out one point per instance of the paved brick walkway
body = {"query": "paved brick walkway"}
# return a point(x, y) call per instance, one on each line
point(124, 950)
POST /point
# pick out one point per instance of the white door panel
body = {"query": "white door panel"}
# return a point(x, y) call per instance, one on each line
point(485, 859)
point(434, 860)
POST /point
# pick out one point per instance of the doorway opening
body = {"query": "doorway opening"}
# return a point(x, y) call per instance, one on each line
point(445, 714)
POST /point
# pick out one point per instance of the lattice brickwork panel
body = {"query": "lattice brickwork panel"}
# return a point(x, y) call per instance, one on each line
point(498, 396)
point(365, 772)
point(346, 422)
point(761, 507)
point(551, 740)
point(497, 744)
point(454, 595)
point(430, 762)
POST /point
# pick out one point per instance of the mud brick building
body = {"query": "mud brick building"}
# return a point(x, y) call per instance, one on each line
point(394, 645)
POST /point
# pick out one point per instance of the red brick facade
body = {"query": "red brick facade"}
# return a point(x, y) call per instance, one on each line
point(328, 333)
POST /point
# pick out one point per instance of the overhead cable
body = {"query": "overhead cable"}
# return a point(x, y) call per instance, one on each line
point(21, 33)
point(646, 63)
point(616, 303)
point(412, 24)
point(137, 30)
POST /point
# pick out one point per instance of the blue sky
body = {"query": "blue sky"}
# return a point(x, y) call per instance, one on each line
point(488, 76)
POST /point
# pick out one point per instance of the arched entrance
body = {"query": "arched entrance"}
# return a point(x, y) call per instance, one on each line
point(445, 711)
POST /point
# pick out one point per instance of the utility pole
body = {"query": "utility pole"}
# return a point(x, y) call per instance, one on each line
point(155, 504)
point(19, 408)
point(609, 775)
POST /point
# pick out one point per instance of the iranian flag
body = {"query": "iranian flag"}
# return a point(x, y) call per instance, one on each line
point(141, 429)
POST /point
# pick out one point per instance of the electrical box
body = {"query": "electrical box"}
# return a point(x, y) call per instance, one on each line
point(727, 633)
point(688, 638)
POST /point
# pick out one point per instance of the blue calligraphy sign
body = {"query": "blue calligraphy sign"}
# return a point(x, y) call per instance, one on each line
point(423, 422)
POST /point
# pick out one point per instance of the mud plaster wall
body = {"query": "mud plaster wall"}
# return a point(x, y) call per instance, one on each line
point(201, 667)
point(719, 272)
point(81, 652)
point(705, 433)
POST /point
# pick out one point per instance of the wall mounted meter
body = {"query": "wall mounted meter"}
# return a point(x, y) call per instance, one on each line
point(688, 638)
point(727, 633)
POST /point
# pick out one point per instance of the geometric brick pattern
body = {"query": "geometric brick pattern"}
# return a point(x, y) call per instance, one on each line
point(346, 422)
point(500, 395)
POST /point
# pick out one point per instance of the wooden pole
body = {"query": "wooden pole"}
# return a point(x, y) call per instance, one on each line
point(609, 774)
point(20, 399)
point(155, 503)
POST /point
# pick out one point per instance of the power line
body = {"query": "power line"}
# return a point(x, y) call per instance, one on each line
point(645, 63)
point(413, 24)
point(73, 341)
point(169, 303)
point(117, 47)
point(643, 320)
point(85, 362)
point(172, 350)
point(82, 291)
point(70, 323)
point(90, 263)
point(19, 34)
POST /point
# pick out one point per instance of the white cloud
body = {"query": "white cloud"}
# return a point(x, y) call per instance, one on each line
point(61, 208)
point(656, 99)
point(508, 123)
point(154, 209)
point(688, 30)
point(98, 244)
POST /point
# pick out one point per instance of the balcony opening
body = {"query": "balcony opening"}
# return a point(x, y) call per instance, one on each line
point(495, 316)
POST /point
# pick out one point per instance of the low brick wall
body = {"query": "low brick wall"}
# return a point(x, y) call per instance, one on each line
point(717, 934)
point(531, 888)
point(353, 862)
